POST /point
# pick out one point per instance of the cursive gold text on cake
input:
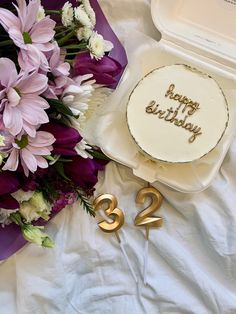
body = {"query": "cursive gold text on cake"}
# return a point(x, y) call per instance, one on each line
point(171, 115)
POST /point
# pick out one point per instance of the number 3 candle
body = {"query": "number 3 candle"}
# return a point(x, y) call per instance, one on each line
point(113, 221)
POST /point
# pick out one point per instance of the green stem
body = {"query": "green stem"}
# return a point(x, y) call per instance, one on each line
point(4, 43)
point(59, 27)
point(63, 32)
point(53, 11)
point(16, 218)
point(64, 39)
point(86, 204)
point(79, 46)
point(72, 53)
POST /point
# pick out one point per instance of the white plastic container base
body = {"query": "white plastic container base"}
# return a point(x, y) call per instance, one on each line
point(113, 135)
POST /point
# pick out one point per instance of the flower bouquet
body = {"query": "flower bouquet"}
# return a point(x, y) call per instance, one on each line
point(54, 60)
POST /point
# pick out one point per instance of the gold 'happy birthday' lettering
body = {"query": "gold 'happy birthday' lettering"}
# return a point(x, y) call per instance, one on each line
point(171, 115)
point(183, 100)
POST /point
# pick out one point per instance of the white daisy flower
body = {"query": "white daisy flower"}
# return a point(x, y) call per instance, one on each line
point(76, 96)
point(89, 10)
point(4, 216)
point(82, 17)
point(22, 196)
point(41, 14)
point(98, 46)
point(67, 14)
point(84, 33)
point(81, 147)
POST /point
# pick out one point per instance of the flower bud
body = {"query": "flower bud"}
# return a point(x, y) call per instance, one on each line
point(35, 235)
point(48, 243)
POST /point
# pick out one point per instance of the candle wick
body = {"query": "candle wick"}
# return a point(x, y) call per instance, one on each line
point(145, 266)
point(147, 232)
point(118, 237)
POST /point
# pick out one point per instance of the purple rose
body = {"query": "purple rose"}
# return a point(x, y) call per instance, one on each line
point(66, 138)
point(104, 71)
point(8, 184)
point(83, 172)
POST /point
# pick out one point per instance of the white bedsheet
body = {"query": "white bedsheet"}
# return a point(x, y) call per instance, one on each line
point(192, 258)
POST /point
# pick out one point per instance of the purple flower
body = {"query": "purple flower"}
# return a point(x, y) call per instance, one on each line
point(66, 138)
point(83, 172)
point(104, 71)
point(8, 184)
point(64, 199)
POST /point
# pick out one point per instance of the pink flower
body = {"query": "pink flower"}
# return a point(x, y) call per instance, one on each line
point(57, 63)
point(32, 37)
point(22, 107)
point(6, 139)
point(60, 71)
point(30, 151)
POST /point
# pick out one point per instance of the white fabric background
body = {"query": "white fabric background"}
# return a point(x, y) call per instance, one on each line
point(192, 265)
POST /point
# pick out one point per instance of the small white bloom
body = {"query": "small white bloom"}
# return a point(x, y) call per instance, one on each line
point(28, 211)
point(89, 10)
point(85, 123)
point(22, 196)
point(82, 17)
point(75, 123)
point(76, 96)
point(4, 216)
point(84, 33)
point(67, 14)
point(81, 149)
point(98, 46)
point(36, 207)
point(41, 14)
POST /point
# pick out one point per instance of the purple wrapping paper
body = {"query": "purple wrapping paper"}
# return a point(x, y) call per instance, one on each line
point(11, 239)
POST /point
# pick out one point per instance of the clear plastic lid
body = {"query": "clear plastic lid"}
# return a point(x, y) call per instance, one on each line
point(206, 27)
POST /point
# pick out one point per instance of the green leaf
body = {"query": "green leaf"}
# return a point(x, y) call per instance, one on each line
point(49, 157)
point(59, 107)
point(86, 204)
point(64, 160)
point(4, 43)
point(60, 169)
point(98, 155)
point(48, 190)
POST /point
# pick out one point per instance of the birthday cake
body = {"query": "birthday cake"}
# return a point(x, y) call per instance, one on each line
point(177, 114)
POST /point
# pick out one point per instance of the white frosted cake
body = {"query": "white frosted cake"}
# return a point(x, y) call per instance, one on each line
point(177, 114)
